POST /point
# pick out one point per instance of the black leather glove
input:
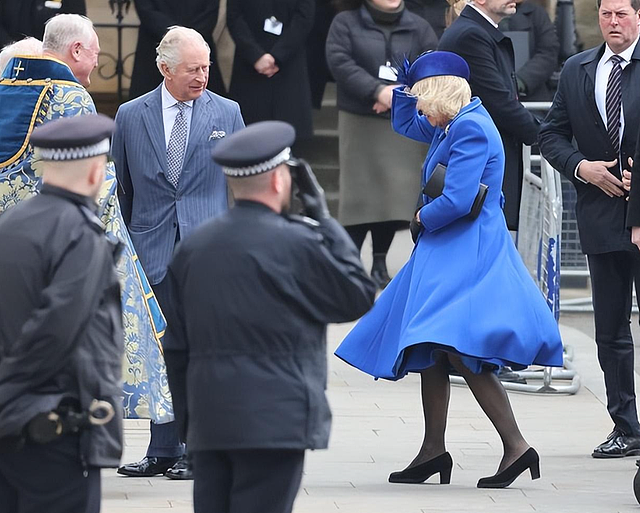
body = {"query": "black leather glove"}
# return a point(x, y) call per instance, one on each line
point(310, 193)
point(415, 227)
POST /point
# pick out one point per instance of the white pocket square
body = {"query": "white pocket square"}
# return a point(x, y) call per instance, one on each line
point(217, 134)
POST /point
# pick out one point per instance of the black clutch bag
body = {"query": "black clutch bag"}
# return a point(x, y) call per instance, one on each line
point(434, 186)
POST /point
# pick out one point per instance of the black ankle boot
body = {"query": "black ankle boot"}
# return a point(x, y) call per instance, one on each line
point(379, 273)
point(529, 460)
point(413, 475)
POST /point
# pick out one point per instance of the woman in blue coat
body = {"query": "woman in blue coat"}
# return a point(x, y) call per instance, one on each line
point(464, 300)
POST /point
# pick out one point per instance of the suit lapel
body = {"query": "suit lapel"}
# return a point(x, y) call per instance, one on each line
point(152, 118)
point(200, 119)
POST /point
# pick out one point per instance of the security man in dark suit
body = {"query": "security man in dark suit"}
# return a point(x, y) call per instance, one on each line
point(475, 36)
point(61, 342)
point(589, 133)
point(254, 292)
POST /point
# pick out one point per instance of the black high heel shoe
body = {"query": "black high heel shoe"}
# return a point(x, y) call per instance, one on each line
point(529, 460)
point(439, 465)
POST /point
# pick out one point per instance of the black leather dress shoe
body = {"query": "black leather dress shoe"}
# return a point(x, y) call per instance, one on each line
point(618, 445)
point(147, 467)
point(180, 470)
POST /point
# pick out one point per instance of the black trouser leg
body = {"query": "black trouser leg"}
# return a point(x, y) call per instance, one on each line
point(48, 478)
point(357, 232)
point(612, 278)
point(246, 481)
point(165, 438)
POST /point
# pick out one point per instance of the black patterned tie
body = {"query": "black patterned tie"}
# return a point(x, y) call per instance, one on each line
point(613, 102)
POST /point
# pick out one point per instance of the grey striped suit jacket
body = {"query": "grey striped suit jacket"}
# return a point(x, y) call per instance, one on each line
point(155, 211)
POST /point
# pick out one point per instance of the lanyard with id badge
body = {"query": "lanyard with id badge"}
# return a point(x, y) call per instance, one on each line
point(273, 26)
point(388, 72)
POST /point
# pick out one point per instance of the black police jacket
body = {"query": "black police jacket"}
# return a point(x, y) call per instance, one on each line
point(254, 292)
point(60, 317)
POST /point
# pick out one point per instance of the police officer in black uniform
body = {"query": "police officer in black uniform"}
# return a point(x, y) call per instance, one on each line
point(61, 340)
point(254, 292)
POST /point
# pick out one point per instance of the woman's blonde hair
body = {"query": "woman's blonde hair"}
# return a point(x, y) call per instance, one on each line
point(442, 95)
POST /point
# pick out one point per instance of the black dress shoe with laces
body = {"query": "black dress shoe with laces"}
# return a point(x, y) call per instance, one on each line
point(147, 467)
point(618, 445)
point(181, 470)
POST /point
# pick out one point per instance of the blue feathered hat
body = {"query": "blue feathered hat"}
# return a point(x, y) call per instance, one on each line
point(432, 64)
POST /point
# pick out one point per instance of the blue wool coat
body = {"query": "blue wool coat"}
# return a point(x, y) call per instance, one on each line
point(464, 289)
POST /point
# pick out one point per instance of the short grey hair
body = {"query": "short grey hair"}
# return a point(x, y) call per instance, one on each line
point(26, 46)
point(168, 51)
point(65, 29)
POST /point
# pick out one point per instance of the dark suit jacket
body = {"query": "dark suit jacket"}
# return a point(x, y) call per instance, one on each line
point(156, 16)
point(154, 210)
point(574, 115)
point(254, 292)
point(489, 54)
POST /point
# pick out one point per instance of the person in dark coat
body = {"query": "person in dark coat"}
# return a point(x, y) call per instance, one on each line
point(543, 45)
point(475, 36)
point(269, 78)
point(61, 342)
point(27, 17)
point(433, 11)
point(577, 140)
point(156, 16)
point(254, 350)
point(379, 170)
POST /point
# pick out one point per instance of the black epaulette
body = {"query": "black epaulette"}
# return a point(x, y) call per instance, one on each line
point(96, 225)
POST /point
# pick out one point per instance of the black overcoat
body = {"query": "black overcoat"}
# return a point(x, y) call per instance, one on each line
point(20, 18)
point(573, 130)
point(254, 293)
point(544, 48)
point(156, 16)
point(286, 96)
point(489, 54)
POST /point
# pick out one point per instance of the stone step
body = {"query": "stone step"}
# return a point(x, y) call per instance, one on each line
point(328, 176)
point(326, 117)
point(322, 149)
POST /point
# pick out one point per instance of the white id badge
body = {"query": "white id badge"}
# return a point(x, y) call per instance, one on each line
point(388, 73)
point(51, 4)
point(273, 26)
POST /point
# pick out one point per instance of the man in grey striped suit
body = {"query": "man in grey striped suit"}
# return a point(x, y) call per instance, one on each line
point(169, 185)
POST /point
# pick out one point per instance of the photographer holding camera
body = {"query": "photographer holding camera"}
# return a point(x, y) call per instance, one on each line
point(254, 290)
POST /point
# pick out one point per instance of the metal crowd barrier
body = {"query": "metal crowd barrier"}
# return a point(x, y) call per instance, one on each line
point(539, 244)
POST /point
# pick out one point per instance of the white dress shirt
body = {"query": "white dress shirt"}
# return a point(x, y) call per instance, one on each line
point(484, 14)
point(170, 111)
point(605, 65)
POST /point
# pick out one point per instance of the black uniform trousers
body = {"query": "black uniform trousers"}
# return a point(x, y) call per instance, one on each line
point(165, 438)
point(48, 478)
point(612, 278)
point(246, 480)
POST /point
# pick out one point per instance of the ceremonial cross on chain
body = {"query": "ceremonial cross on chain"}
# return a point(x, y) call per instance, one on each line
point(18, 68)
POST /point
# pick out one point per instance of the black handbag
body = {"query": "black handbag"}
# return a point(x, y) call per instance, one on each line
point(435, 185)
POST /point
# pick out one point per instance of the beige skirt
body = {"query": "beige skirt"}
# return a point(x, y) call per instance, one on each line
point(379, 171)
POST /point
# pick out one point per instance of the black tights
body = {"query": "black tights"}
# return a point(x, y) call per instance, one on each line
point(491, 397)
point(381, 234)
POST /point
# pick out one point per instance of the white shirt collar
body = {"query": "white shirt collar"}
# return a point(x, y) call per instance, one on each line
point(169, 101)
point(484, 14)
point(626, 55)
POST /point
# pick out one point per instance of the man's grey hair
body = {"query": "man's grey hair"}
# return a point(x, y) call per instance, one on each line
point(63, 30)
point(26, 46)
point(635, 4)
point(168, 51)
